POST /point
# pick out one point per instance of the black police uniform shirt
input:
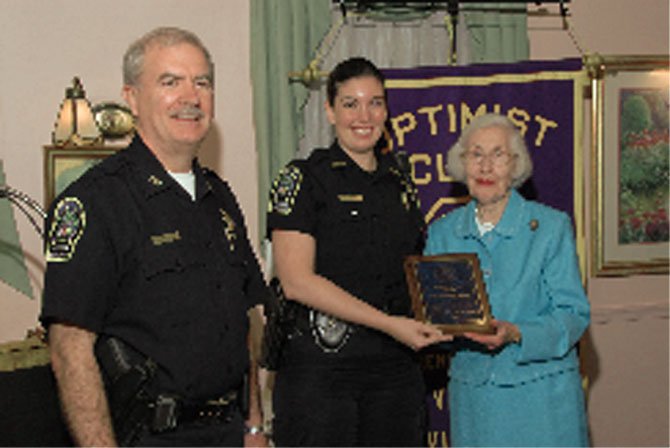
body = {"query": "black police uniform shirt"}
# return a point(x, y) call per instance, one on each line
point(364, 225)
point(130, 254)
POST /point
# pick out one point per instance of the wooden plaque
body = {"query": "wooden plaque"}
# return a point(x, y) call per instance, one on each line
point(448, 291)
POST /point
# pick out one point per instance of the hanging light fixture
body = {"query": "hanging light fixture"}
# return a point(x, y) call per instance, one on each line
point(75, 124)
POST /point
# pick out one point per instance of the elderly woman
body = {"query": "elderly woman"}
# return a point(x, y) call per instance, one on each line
point(520, 386)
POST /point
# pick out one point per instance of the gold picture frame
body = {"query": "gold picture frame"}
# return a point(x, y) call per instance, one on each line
point(629, 164)
point(63, 165)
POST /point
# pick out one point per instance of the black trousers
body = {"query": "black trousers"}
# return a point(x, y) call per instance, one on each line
point(349, 405)
point(200, 433)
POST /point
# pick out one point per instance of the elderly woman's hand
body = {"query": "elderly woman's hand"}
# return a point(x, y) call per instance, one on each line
point(506, 333)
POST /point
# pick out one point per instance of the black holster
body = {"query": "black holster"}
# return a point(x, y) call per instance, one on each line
point(128, 377)
point(281, 325)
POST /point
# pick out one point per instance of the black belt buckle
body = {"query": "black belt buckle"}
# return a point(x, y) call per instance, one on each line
point(165, 413)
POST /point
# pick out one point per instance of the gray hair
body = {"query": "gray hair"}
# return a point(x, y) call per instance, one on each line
point(523, 167)
point(133, 59)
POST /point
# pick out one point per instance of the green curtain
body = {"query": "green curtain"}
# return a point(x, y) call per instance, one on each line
point(13, 270)
point(284, 37)
point(498, 32)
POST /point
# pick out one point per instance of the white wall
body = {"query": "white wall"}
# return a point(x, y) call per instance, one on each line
point(44, 44)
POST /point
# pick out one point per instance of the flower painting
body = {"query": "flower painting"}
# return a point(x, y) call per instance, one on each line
point(630, 181)
point(643, 166)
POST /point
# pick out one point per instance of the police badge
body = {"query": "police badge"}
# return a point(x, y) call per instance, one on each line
point(228, 229)
point(330, 333)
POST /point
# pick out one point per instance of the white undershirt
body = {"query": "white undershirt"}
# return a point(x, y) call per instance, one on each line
point(483, 227)
point(187, 182)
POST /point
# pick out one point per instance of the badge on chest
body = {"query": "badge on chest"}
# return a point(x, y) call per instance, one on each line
point(228, 229)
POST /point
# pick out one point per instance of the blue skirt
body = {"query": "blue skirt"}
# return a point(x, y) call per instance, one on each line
point(546, 412)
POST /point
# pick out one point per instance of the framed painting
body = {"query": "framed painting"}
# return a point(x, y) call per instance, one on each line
point(62, 166)
point(629, 163)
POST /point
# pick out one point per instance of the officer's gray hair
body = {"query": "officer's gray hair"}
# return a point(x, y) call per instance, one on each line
point(523, 167)
point(133, 59)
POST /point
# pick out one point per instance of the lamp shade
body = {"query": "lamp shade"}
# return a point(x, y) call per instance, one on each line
point(75, 124)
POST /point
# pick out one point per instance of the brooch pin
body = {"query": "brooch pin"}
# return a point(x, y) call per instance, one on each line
point(534, 224)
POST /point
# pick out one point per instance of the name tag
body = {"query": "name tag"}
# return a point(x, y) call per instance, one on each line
point(165, 238)
point(350, 197)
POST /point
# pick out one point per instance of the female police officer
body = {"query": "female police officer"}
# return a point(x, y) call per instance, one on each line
point(341, 223)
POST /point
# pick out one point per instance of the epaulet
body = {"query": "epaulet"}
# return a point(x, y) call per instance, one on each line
point(207, 172)
point(402, 161)
point(213, 180)
point(114, 162)
point(401, 168)
point(318, 155)
point(322, 159)
point(397, 168)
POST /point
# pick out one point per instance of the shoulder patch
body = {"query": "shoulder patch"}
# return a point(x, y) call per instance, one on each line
point(67, 227)
point(285, 189)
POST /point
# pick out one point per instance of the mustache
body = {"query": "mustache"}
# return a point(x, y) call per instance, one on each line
point(188, 112)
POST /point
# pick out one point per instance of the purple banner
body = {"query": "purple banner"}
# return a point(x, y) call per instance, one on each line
point(428, 108)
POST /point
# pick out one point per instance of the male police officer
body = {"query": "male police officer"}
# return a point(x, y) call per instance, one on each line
point(150, 272)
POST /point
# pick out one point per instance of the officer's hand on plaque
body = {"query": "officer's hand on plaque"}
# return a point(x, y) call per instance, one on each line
point(506, 333)
point(415, 334)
